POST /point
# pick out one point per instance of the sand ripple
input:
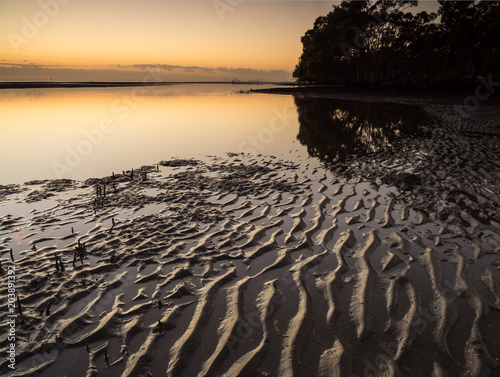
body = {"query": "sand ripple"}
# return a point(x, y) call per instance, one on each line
point(249, 266)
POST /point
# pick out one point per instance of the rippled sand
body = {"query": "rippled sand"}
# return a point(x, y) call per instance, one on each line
point(256, 266)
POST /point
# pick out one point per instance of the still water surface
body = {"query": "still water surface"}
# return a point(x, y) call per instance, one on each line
point(91, 132)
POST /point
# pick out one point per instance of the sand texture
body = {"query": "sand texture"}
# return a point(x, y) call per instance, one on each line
point(257, 266)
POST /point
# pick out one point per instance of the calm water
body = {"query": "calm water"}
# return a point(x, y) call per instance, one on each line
point(333, 129)
point(90, 132)
point(82, 133)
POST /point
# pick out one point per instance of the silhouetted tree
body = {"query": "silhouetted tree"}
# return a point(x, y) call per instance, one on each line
point(471, 34)
point(383, 43)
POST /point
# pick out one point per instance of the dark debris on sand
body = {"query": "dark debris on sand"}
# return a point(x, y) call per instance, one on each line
point(6, 190)
point(180, 162)
point(192, 187)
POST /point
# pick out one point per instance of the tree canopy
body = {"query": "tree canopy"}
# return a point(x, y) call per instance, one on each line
point(382, 43)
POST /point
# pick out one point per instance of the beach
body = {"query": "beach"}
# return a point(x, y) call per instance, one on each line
point(385, 264)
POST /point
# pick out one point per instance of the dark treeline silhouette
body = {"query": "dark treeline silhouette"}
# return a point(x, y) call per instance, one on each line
point(381, 43)
point(333, 129)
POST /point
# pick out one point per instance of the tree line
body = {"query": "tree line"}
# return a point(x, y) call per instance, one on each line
point(383, 43)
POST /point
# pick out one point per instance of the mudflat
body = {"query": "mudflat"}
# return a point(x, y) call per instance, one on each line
point(382, 264)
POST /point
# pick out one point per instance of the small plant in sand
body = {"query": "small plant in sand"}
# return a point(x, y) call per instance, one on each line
point(80, 250)
point(100, 195)
point(59, 263)
point(112, 225)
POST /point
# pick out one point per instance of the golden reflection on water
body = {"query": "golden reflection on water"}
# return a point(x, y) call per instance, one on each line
point(90, 132)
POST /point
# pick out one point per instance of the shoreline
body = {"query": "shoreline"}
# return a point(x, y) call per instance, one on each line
point(109, 84)
point(406, 96)
point(394, 95)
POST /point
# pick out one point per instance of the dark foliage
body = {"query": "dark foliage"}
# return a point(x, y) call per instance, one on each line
point(381, 43)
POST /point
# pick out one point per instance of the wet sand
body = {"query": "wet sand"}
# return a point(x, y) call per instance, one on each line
point(386, 265)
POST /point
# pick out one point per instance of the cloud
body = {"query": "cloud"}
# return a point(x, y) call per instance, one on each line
point(231, 71)
point(28, 65)
point(137, 72)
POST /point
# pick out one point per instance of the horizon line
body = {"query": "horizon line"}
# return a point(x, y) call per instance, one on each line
point(82, 84)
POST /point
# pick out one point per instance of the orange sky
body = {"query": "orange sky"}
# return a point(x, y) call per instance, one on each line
point(65, 35)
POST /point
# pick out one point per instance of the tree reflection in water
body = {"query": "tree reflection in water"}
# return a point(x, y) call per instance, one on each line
point(334, 129)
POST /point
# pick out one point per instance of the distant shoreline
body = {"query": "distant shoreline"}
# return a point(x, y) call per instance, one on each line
point(396, 95)
point(109, 84)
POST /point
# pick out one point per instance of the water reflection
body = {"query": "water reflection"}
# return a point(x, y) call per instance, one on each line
point(332, 129)
point(57, 132)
